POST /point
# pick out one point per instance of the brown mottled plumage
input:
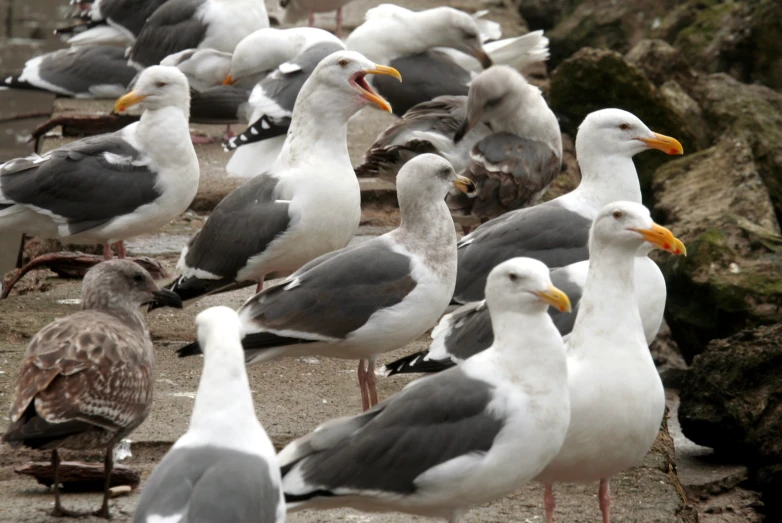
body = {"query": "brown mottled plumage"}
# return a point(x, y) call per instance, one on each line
point(86, 379)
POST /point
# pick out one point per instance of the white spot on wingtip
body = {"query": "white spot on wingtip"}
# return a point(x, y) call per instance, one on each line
point(242, 137)
point(264, 124)
point(253, 130)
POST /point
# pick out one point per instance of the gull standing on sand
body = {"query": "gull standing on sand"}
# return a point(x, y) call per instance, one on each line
point(86, 379)
point(617, 397)
point(224, 468)
point(295, 10)
point(450, 442)
point(370, 298)
point(108, 188)
point(306, 204)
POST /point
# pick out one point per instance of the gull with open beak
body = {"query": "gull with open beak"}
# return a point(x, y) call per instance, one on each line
point(306, 204)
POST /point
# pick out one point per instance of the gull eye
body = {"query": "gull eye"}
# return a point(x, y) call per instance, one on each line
point(161, 84)
point(343, 63)
point(617, 214)
point(138, 278)
point(513, 276)
point(624, 126)
point(494, 102)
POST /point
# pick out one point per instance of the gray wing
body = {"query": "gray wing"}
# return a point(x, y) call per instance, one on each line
point(547, 232)
point(564, 321)
point(398, 144)
point(130, 14)
point(78, 185)
point(221, 104)
point(210, 484)
point(280, 90)
point(87, 71)
point(173, 27)
point(426, 76)
point(508, 171)
point(428, 423)
point(336, 296)
point(242, 225)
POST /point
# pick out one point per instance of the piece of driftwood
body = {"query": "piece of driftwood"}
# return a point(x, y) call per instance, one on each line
point(83, 125)
point(78, 476)
point(75, 264)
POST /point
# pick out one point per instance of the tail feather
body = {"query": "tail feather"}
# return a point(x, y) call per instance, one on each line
point(520, 51)
point(385, 162)
point(252, 343)
point(261, 129)
point(192, 289)
point(415, 363)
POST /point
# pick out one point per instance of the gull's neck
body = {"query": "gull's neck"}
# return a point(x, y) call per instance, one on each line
point(608, 304)
point(165, 135)
point(427, 229)
point(606, 179)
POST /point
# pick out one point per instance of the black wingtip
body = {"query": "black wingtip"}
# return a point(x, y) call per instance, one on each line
point(191, 349)
point(416, 364)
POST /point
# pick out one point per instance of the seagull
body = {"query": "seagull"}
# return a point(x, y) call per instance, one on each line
point(107, 188)
point(503, 136)
point(224, 468)
point(99, 71)
point(196, 24)
point(435, 50)
point(556, 232)
point(306, 204)
point(462, 438)
point(110, 22)
point(204, 68)
point(271, 108)
point(369, 298)
point(467, 330)
point(617, 397)
point(295, 10)
point(86, 379)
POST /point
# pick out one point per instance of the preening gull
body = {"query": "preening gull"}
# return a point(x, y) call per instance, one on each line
point(224, 468)
point(271, 108)
point(107, 188)
point(196, 24)
point(306, 204)
point(370, 298)
point(464, 437)
point(86, 379)
point(503, 136)
point(110, 22)
point(295, 10)
point(467, 330)
point(423, 46)
point(556, 232)
point(617, 398)
point(100, 71)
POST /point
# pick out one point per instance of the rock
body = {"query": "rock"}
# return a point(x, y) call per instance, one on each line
point(751, 112)
point(594, 79)
point(542, 14)
point(731, 278)
point(667, 358)
point(661, 62)
point(732, 401)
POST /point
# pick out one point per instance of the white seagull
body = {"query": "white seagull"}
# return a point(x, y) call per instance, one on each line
point(464, 437)
point(370, 298)
point(224, 467)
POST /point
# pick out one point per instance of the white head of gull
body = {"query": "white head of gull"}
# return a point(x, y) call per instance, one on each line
point(464, 437)
point(617, 398)
point(369, 298)
point(306, 204)
point(86, 380)
point(224, 467)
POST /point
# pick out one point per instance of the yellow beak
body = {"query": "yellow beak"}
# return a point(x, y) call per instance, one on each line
point(370, 93)
point(128, 100)
point(556, 298)
point(483, 58)
point(229, 80)
point(663, 239)
point(465, 185)
point(664, 143)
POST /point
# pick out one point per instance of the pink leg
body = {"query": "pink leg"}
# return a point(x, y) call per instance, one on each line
point(549, 502)
point(371, 382)
point(121, 250)
point(466, 229)
point(362, 380)
point(107, 252)
point(339, 22)
point(311, 19)
point(259, 288)
point(229, 133)
point(604, 495)
point(198, 139)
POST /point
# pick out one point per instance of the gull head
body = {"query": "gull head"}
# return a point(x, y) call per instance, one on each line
point(216, 326)
point(157, 87)
point(123, 284)
point(458, 30)
point(523, 285)
point(429, 178)
point(617, 132)
point(628, 225)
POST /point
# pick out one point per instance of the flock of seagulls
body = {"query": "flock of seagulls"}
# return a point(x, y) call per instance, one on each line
point(542, 368)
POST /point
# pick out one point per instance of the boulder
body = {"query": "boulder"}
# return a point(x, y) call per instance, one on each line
point(731, 278)
point(594, 79)
point(543, 14)
point(732, 401)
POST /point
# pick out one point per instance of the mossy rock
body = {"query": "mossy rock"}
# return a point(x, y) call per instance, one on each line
point(594, 79)
point(716, 202)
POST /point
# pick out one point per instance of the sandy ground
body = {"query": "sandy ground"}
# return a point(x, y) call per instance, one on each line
point(292, 396)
